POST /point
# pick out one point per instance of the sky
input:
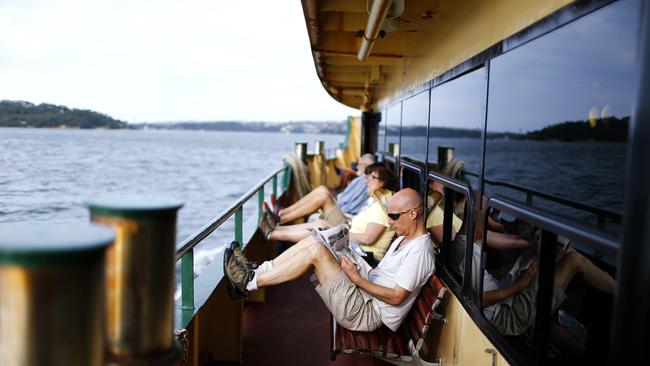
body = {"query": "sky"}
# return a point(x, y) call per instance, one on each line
point(164, 60)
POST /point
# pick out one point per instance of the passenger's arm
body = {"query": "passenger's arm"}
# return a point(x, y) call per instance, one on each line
point(370, 236)
point(496, 296)
point(393, 296)
point(436, 233)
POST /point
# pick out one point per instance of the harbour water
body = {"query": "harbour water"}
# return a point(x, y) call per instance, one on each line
point(47, 174)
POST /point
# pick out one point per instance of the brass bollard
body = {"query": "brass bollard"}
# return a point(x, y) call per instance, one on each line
point(393, 149)
point(301, 151)
point(319, 153)
point(140, 278)
point(445, 155)
point(52, 294)
point(319, 147)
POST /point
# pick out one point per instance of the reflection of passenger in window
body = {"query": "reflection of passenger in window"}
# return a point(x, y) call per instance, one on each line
point(509, 301)
point(435, 218)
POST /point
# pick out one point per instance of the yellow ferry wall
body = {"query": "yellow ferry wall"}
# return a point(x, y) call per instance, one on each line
point(352, 150)
point(458, 31)
point(459, 341)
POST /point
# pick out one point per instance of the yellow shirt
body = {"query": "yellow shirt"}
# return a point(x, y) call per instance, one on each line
point(436, 216)
point(375, 213)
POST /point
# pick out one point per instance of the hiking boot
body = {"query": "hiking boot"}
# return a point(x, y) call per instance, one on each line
point(266, 226)
point(273, 218)
point(239, 256)
point(275, 205)
point(239, 273)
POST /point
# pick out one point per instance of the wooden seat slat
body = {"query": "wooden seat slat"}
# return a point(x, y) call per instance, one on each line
point(383, 342)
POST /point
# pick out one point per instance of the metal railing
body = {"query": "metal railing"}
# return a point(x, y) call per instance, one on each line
point(601, 214)
point(185, 251)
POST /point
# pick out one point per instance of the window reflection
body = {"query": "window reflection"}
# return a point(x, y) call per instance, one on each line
point(559, 109)
point(415, 118)
point(580, 298)
point(381, 132)
point(457, 117)
point(393, 125)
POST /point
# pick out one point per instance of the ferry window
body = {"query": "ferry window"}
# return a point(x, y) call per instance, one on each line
point(415, 118)
point(580, 296)
point(457, 118)
point(558, 116)
point(453, 252)
point(381, 132)
point(393, 122)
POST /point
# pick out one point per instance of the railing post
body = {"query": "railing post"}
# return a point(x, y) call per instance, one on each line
point(239, 233)
point(529, 199)
point(260, 202)
point(286, 177)
point(187, 281)
point(52, 293)
point(275, 186)
point(140, 265)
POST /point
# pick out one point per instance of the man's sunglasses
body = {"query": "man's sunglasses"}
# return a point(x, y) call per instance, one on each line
point(395, 215)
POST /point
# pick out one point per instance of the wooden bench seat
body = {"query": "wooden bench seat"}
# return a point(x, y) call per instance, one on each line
point(396, 347)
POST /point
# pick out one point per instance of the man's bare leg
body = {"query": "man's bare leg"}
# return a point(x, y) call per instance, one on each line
point(573, 263)
point(319, 198)
point(298, 260)
point(295, 233)
point(300, 202)
point(505, 241)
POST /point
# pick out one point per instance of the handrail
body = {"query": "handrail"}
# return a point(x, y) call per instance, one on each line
point(194, 239)
point(417, 169)
point(185, 251)
point(390, 158)
point(460, 187)
point(575, 231)
point(580, 206)
point(413, 167)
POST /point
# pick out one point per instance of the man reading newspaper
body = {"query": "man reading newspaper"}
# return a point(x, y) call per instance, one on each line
point(358, 300)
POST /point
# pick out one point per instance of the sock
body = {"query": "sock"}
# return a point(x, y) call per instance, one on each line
point(264, 267)
point(252, 284)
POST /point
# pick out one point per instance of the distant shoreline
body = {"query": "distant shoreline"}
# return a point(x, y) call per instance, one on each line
point(28, 115)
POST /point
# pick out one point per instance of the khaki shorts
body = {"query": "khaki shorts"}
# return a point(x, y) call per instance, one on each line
point(515, 318)
point(347, 304)
point(334, 216)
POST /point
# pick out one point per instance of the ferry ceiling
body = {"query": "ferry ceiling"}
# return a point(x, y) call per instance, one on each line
point(370, 53)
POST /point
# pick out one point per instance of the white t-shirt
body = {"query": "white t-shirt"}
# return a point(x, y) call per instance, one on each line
point(408, 267)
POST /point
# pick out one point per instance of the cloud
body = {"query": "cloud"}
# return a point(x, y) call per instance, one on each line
point(164, 60)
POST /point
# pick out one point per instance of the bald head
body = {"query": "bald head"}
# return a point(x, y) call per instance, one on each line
point(406, 198)
point(364, 161)
point(403, 213)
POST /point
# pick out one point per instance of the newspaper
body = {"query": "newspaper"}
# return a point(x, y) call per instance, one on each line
point(524, 261)
point(337, 240)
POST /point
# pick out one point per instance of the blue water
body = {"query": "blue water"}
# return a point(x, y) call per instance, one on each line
point(47, 174)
